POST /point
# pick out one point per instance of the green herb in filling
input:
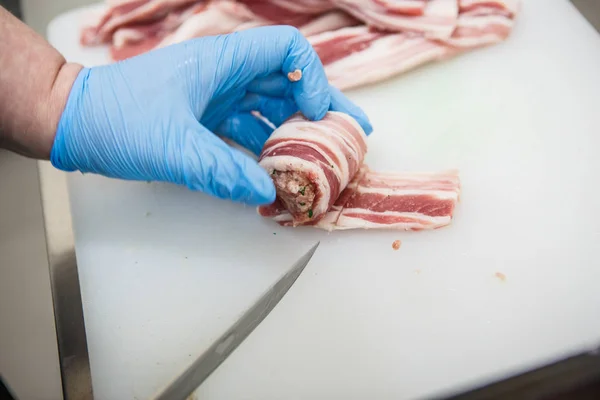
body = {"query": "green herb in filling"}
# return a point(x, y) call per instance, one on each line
point(302, 190)
point(310, 213)
point(302, 204)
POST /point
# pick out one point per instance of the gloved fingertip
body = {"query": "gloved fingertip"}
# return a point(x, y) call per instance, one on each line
point(339, 102)
point(365, 124)
point(264, 190)
point(259, 190)
point(274, 85)
point(322, 109)
point(314, 105)
point(246, 130)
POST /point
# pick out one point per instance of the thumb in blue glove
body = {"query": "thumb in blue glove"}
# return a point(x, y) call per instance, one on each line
point(157, 116)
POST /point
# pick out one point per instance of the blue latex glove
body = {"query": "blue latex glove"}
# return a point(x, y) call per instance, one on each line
point(157, 116)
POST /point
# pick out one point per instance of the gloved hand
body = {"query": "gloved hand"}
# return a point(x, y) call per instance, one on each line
point(157, 116)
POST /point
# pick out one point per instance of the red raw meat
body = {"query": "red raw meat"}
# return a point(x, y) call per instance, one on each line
point(312, 162)
point(349, 197)
point(437, 19)
point(359, 42)
point(129, 13)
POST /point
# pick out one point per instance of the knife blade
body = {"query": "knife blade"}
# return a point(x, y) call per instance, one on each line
point(205, 365)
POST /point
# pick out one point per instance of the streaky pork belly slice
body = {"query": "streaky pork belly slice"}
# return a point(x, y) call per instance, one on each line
point(316, 187)
point(128, 13)
point(406, 201)
point(311, 162)
point(437, 20)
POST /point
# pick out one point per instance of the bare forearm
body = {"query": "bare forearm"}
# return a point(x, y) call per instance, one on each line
point(35, 81)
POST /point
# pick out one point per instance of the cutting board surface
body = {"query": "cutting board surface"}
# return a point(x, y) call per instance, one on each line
point(511, 283)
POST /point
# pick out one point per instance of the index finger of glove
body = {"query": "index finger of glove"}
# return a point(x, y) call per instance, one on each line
point(259, 52)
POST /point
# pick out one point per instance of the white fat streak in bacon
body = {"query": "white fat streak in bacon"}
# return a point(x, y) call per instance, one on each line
point(219, 17)
point(251, 24)
point(283, 217)
point(338, 170)
point(512, 6)
point(359, 32)
point(480, 30)
point(437, 21)
point(486, 10)
point(402, 5)
point(328, 137)
point(328, 22)
point(304, 6)
point(449, 194)
point(418, 180)
point(444, 184)
point(144, 11)
point(393, 54)
point(125, 36)
point(447, 179)
point(421, 222)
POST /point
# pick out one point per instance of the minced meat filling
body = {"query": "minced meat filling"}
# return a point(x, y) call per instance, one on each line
point(295, 191)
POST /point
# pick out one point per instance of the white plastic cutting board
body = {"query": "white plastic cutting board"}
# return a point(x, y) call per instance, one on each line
point(164, 271)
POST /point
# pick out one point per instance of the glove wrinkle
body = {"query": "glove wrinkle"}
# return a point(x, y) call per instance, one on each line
point(157, 116)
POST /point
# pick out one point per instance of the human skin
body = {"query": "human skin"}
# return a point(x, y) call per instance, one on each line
point(35, 82)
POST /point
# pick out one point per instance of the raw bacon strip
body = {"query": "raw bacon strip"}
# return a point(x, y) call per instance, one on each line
point(311, 162)
point(330, 21)
point(409, 7)
point(128, 13)
point(213, 18)
point(130, 42)
point(510, 6)
point(219, 17)
point(348, 51)
point(136, 39)
point(480, 27)
point(343, 53)
point(408, 201)
point(438, 19)
point(90, 35)
point(370, 200)
point(288, 12)
point(274, 9)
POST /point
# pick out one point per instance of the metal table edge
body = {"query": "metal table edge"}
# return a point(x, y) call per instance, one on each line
point(66, 291)
point(64, 281)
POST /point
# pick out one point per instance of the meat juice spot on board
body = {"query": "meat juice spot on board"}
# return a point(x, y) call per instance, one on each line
point(500, 276)
point(396, 244)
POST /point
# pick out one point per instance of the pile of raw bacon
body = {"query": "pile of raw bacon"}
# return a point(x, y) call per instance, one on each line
point(350, 36)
